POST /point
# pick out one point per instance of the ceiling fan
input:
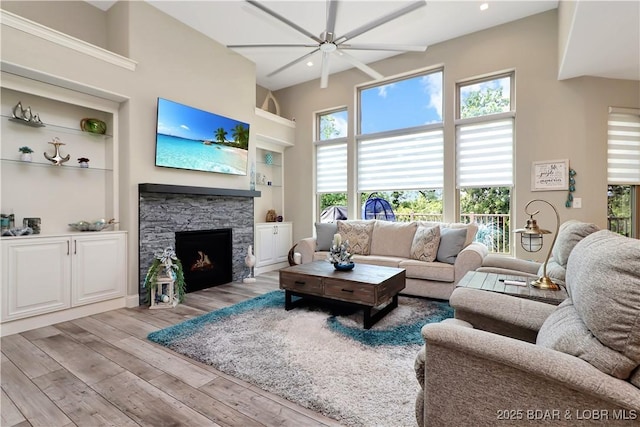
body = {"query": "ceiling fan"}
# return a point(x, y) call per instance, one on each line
point(328, 43)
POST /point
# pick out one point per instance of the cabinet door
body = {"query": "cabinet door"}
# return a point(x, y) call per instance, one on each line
point(264, 251)
point(282, 242)
point(99, 262)
point(36, 276)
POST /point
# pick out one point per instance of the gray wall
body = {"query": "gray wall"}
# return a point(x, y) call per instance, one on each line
point(554, 119)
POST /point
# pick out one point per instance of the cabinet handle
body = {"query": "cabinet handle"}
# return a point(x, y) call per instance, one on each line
point(68, 247)
point(347, 290)
point(299, 283)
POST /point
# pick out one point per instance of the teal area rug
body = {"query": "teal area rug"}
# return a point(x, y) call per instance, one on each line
point(316, 356)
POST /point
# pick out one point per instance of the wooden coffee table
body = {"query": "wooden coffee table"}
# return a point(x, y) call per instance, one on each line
point(366, 286)
point(495, 283)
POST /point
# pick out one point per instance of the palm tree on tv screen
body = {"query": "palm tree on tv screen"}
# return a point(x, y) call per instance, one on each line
point(221, 134)
point(240, 135)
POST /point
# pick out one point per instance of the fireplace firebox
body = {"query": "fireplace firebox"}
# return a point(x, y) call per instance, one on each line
point(206, 257)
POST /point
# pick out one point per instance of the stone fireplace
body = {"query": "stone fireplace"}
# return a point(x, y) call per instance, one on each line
point(165, 210)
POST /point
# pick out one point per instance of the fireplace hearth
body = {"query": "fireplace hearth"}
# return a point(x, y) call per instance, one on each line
point(206, 257)
point(165, 210)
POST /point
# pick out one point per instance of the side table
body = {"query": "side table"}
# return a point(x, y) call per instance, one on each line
point(495, 283)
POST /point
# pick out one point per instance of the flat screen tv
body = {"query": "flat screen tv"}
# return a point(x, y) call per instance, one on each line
point(193, 139)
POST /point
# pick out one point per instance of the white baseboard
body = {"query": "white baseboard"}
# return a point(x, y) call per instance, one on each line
point(26, 324)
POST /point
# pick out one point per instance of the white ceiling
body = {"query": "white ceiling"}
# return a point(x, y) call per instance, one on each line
point(590, 51)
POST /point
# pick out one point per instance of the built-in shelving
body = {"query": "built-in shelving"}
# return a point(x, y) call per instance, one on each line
point(57, 128)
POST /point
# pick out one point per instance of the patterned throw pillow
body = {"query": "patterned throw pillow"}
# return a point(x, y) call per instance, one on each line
point(425, 243)
point(358, 233)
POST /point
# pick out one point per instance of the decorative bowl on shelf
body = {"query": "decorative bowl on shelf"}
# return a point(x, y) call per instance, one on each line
point(97, 225)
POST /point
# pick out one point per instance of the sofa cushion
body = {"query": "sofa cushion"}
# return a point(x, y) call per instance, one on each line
point(569, 234)
point(635, 377)
point(602, 273)
point(472, 228)
point(565, 331)
point(382, 260)
point(324, 235)
point(392, 238)
point(451, 243)
point(425, 243)
point(438, 271)
point(358, 233)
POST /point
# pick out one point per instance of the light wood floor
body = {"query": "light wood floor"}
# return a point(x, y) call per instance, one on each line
point(101, 370)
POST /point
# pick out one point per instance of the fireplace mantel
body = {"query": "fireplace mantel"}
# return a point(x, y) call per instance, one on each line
point(205, 191)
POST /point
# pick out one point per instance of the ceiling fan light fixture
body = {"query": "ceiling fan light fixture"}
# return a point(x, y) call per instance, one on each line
point(328, 47)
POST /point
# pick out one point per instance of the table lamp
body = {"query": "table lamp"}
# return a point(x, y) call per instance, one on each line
point(531, 241)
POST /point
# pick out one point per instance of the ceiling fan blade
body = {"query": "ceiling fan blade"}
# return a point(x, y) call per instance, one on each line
point(242, 46)
point(283, 20)
point(331, 16)
point(391, 47)
point(362, 66)
point(380, 21)
point(324, 75)
point(294, 62)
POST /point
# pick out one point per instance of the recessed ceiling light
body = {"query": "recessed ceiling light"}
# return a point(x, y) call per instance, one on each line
point(309, 64)
point(484, 6)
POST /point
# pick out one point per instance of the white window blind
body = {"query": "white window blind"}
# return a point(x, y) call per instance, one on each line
point(623, 146)
point(404, 162)
point(331, 168)
point(485, 153)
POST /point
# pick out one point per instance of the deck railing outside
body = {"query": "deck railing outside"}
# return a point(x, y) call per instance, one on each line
point(620, 225)
point(493, 229)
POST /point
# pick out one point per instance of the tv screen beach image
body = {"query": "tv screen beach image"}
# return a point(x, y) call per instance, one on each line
point(189, 138)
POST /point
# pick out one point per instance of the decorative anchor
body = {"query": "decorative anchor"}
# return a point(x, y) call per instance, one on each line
point(57, 159)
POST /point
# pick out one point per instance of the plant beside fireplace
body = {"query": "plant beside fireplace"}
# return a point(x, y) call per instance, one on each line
point(166, 262)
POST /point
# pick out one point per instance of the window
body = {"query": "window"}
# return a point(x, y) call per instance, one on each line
point(400, 145)
point(623, 170)
point(331, 164)
point(484, 157)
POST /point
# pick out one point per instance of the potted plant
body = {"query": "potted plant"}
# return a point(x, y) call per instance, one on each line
point(84, 162)
point(166, 263)
point(25, 153)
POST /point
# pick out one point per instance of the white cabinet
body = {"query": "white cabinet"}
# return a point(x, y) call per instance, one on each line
point(98, 268)
point(273, 241)
point(48, 274)
point(36, 276)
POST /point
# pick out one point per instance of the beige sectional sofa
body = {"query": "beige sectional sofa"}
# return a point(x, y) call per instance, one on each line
point(435, 255)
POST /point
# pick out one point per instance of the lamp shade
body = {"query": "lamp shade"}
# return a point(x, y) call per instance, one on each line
point(531, 235)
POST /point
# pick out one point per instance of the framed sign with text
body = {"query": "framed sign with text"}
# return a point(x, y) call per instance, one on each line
point(550, 175)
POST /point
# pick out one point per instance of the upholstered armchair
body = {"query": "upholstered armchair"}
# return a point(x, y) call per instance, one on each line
point(510, 361)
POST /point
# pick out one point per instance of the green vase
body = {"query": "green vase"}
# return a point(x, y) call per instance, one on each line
point(93, 126)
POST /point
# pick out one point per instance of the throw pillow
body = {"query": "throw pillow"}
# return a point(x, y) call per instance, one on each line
point(358, 233)
point(425, 243)
point(452, 241)
point(324, 235)
point(602, 274)
point(393, 238)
